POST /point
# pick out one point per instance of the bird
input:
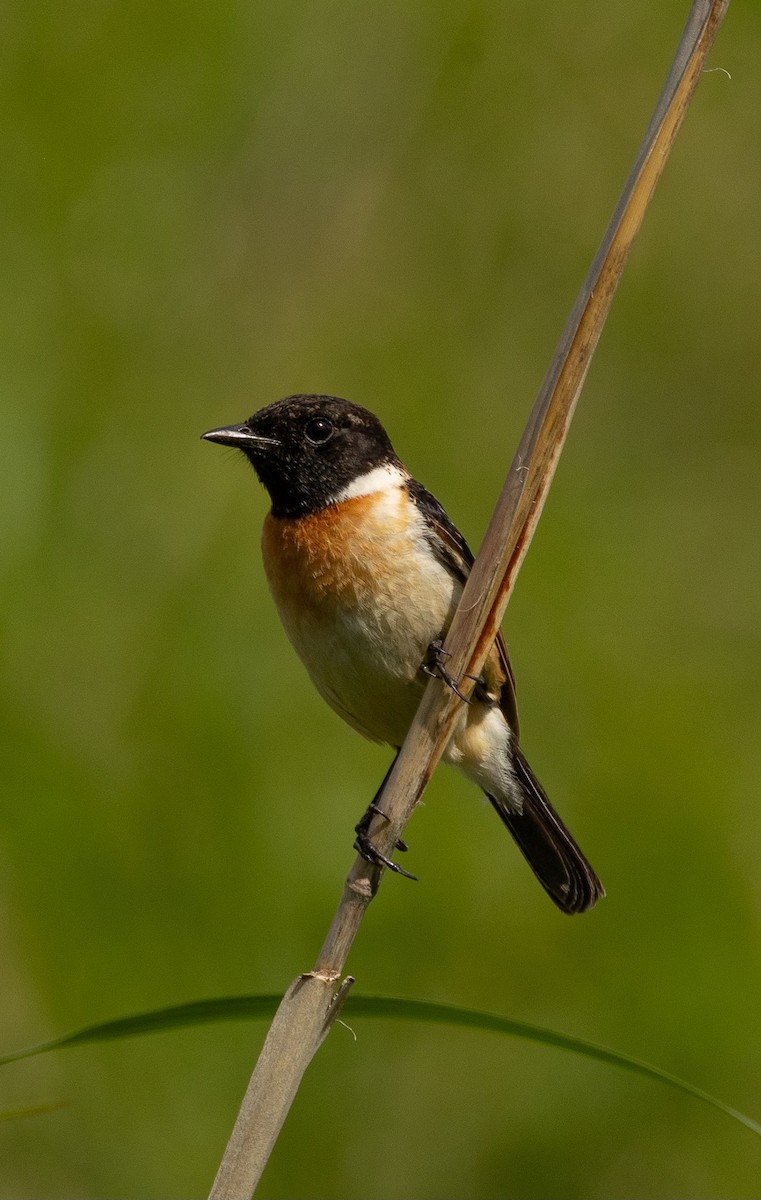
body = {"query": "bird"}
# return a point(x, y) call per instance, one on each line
point(366, 570)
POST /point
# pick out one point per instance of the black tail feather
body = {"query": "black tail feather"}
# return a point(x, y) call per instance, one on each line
point(551, 852)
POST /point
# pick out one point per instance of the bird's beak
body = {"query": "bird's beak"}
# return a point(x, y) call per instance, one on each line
point(239, 436)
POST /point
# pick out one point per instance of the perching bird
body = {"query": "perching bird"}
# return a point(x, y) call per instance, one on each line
point(366, 570)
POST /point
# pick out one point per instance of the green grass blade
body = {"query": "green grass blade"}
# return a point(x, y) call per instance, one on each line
point(160, 1020)
point(446, 1014)
point(246, 1008)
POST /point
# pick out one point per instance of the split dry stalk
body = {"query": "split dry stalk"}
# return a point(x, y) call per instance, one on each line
point(313, 1001)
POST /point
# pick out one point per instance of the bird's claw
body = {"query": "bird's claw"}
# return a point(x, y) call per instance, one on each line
point(368, 851)
point(433, 665)
point(372, 854)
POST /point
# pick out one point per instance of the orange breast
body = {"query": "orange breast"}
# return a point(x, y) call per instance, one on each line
point(342, 555)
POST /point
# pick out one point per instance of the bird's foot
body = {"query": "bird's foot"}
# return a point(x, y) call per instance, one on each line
point(433, 665)
point(371, 853)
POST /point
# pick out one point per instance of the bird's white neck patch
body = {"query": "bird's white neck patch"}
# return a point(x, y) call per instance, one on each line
point(380, 479)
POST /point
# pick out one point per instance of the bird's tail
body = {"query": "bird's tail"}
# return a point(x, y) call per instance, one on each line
point(551, 852)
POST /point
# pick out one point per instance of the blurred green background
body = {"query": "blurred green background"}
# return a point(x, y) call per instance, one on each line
point(207, 207)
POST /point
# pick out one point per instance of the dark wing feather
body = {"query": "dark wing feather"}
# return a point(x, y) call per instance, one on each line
point(453, 551)
point(548, 845)
point(551, 851)
point(444, 538)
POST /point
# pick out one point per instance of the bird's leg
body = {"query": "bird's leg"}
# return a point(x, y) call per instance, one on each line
point(433, 664)
point(362, 843)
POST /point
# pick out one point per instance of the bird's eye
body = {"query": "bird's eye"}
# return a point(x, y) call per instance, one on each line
point(319, 430)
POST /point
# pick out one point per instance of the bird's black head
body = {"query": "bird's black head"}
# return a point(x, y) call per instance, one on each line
point(307, 449)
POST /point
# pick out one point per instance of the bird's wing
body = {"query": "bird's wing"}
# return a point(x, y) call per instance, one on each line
point(453, 551)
